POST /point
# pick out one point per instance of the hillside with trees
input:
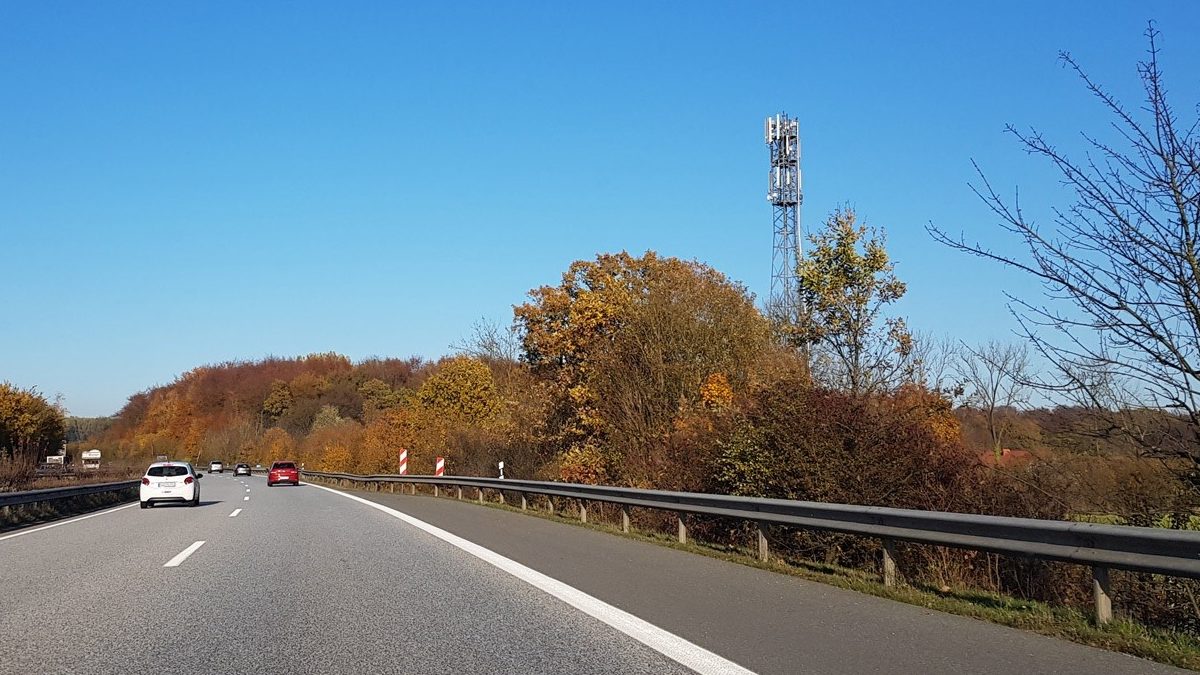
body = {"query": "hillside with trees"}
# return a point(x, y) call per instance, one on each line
point(657, 372)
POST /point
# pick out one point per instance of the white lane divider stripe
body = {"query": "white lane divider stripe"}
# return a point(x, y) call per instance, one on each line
point(666, 643)
point(65, 522)
point(183, 555)
point(247, 489)
point(235, 512)
point(245, 499)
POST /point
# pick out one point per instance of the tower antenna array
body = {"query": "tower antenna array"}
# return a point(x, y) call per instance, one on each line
point(782, 135)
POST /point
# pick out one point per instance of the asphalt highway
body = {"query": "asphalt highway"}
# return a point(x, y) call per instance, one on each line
point(311, 580)
point(301, 580)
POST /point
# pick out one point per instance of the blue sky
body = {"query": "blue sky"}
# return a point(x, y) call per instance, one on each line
point(189, 183)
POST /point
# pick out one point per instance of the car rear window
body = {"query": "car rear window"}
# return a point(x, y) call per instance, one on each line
point(285, 465)
point(167, 471)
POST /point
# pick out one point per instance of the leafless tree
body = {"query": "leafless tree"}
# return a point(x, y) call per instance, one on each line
point(491, 341)
point(997, 377)
point(934, 364)
point(1120, 320)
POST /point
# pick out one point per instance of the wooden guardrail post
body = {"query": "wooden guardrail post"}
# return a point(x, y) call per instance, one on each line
point(889, 562)
point(682, 528)
point(1102, 589)
point(625, 518)
point(764, 552)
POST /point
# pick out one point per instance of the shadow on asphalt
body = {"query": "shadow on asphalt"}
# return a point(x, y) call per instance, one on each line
point(185, 505)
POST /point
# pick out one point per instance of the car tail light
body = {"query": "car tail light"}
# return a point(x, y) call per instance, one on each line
point(189, 480)
point(145, 481)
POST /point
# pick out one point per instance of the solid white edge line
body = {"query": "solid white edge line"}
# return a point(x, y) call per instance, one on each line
point(64, 522)
point(666, 643)
point(183, 555)
point(235, 512)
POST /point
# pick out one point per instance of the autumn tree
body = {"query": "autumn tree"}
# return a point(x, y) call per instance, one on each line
point(279, 400)
point(621, 342)
point(327, 416)
point(382, 440)
point(378, 397)
point(1120, 321)
point(276, 444)
point(30, 426)
point(462, 387)
point(847, 281)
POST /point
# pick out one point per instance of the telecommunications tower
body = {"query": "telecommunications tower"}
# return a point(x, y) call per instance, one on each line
point(783, 139)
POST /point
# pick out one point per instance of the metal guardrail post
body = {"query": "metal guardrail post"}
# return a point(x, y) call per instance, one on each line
point(414, 488)
point(1102, 589)
point(625, 519)
point(764, 552)
point(889, 563)
point(682, 528)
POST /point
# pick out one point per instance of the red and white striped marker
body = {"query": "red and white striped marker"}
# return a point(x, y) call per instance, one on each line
point(439, 469)
point(403, 462)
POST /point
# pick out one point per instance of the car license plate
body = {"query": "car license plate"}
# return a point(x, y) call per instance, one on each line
point(172, 484)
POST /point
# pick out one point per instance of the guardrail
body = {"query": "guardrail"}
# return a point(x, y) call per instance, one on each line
point(8, 499)
point(1101, 547)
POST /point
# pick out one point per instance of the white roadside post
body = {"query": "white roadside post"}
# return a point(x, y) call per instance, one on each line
point(501, 478)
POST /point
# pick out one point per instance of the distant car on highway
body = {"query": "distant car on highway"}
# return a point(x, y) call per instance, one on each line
point(216, 466)
point(283, 472)
point(167, 482)
point(241, 470)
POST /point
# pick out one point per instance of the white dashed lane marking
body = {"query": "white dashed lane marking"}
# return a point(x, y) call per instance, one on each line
point(183, 555)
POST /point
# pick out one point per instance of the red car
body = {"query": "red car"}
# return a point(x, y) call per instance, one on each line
point(283, 472)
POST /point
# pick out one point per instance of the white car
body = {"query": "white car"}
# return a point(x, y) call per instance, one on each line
point(167, 482)
point(216, 467)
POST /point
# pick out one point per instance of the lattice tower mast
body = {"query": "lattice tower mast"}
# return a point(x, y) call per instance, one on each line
point(784, 192)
